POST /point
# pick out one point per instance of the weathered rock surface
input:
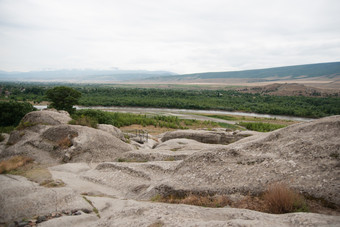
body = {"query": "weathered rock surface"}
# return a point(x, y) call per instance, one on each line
point(116, 212)
point(305, 156)
point(171, 150)
point(20, 198)
point(112, 130)
point(212, 137)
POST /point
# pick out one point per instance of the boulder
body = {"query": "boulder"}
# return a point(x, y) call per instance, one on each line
point(112, 130)
point(47, 117)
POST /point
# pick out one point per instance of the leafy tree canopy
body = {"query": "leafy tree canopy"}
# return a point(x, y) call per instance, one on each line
point(63, 98)
point(11, 113)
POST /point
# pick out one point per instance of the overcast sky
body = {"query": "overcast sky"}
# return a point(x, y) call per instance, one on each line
point(182, 36)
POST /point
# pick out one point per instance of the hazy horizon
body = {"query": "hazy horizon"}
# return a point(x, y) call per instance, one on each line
point(176, 36)
point(145, 70)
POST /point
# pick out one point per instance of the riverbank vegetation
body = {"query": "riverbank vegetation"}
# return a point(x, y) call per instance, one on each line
point(93, 117)
point(229, 100)
point(260, 126)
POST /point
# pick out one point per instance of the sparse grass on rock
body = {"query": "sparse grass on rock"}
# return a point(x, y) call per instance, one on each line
point(196, 200)
point(25, 124)
point(50, 183)
point(64, 143)
point(277, 199)
point(13, 163)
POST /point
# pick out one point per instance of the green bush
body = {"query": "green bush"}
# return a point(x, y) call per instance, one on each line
point(126, 119)
point(2, 138)
point(11, 112)
point(260, 126)
point(7, 129)
point(84, 121)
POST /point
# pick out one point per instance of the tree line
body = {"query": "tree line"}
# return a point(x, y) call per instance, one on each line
point(229, 100)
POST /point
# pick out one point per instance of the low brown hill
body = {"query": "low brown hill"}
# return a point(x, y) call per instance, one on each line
point(290, 89)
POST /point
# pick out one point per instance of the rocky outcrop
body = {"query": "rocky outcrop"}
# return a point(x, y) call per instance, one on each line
point(212, 137)
point(49, 139)
point(305, 156)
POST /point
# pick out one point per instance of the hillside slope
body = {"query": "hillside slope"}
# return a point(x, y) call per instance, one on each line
point(311, 70)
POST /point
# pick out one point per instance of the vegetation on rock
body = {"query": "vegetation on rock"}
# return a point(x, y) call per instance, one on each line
point(13, 163)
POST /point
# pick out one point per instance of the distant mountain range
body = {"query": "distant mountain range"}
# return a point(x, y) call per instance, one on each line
point(328, 70)
point(78, 75)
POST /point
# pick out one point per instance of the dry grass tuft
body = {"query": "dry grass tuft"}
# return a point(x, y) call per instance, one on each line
point(280, 199)
point(196, 200)
point(14, 163)
point(157, 224)
point(64, 143)
point(277, 199)
point(251, 203)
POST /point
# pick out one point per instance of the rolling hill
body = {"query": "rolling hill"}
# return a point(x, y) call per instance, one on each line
point(330, 71)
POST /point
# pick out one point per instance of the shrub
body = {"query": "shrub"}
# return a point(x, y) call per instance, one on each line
point(12, 112)
point(2, 138)
point(84, 121)
point(260, 126)
point(14, 163)
point(280, 199)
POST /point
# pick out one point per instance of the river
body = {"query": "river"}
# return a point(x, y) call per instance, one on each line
point(183, 112)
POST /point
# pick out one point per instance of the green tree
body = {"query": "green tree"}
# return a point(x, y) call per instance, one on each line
point(11, 112)
point(63, 98)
